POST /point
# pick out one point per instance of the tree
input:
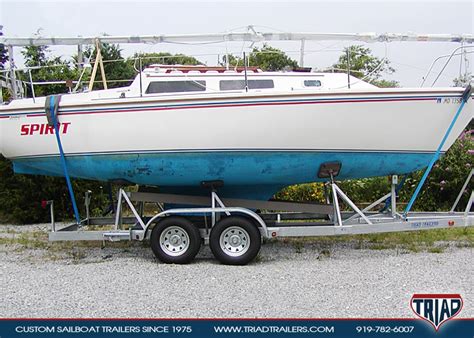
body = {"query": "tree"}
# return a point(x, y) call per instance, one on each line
point(463, 80)
point(35, 55)
point(364, 65)
point(21, 195)
point(45, 69)
point(5, 95)
point(271, 59)
point(115, 66)
point(3, 52)
point(439, 192)
point(165, 59)
point(49, 69)
point(266, 58)
point(445, 179)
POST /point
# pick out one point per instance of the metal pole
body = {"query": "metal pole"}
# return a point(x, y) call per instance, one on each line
point(394, 195)
point(87, 202)
point(469, 206)
point(245, 73)
point(51, 210)
point(369, 207)
point(447, 62)
point(462, 190)
point(302, 53)
point(442, 57)
point(94, 70)
point(141, 84)
point(351, 204)
point(348, 68)
point(101, 64)
point(237, 36)
point(118, 213)
point(80, 59)
point(337, 210)
point(12, 72)
point(32, 85)
point(213, 206)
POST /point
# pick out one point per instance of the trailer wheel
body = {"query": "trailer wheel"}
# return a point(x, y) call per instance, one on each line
point(175, 240)
point(235, 240)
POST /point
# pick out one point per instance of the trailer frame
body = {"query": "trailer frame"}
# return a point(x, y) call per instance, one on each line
point(329, 219)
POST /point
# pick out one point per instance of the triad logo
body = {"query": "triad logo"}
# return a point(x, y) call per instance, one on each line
point(436, 308)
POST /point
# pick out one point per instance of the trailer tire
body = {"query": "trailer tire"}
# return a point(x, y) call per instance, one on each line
point(235, 240)
point(175, 240)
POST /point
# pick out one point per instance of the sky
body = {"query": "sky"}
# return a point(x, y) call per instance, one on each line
point(411, 60)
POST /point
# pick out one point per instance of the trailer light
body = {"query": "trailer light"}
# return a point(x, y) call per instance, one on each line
point(274, 234)
point(44, 204)
point(450, 223)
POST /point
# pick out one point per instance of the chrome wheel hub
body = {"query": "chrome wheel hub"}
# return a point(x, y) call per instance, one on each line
point(234, 241)
point(174, 241)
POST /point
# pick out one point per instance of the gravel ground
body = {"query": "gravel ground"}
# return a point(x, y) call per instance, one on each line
point(125, 280)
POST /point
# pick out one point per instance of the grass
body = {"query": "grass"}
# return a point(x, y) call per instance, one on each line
point(325, 253)
point(10, 231)
point(298, 246)
point(27, 240)
point(435, 240)
point(439, 249)
point(432, 241)
point(38, 240)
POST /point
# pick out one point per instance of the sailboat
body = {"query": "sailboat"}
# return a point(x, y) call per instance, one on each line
point(176, 126)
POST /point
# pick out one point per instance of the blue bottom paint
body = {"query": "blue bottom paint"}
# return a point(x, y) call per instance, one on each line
point(246, 174)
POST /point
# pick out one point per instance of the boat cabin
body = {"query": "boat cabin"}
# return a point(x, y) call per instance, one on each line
point(164, 79)
point(179, 80)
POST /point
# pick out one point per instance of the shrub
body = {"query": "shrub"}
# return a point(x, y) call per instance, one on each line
point(438, 193)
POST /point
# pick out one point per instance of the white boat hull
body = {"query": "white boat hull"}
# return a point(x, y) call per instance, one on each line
point(245, 140)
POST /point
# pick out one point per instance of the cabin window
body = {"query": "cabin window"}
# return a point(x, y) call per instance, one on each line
point(312, 83)
point(176, 86)
point(240, 84)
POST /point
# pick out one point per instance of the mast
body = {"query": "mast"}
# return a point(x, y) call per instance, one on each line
point(250, 36)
